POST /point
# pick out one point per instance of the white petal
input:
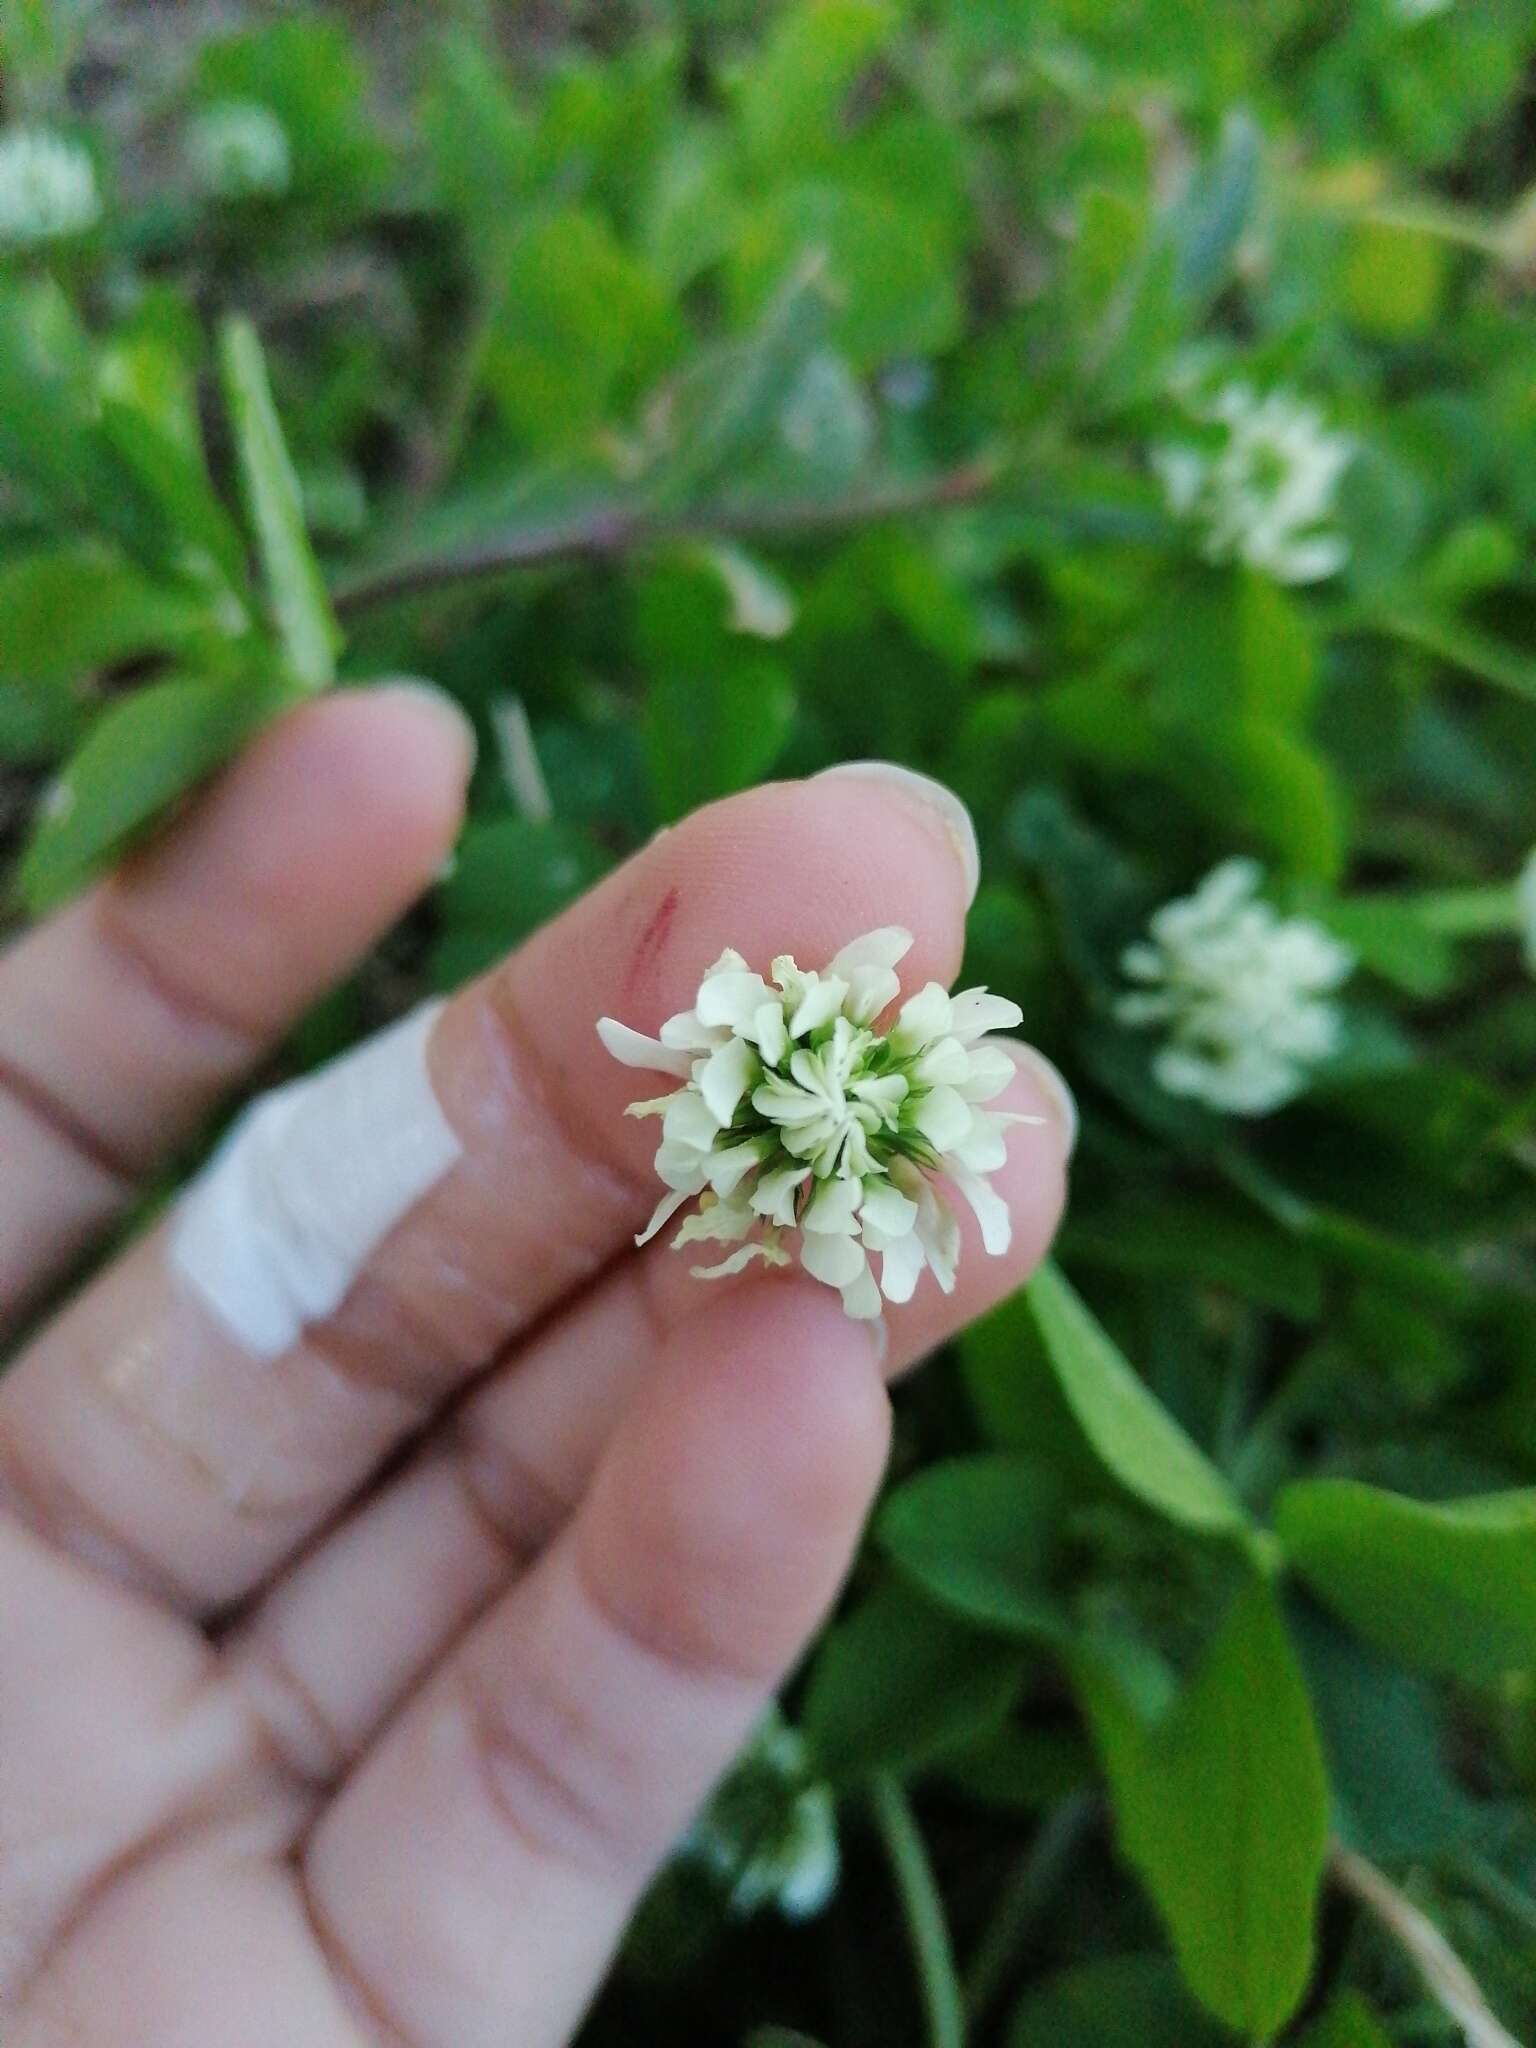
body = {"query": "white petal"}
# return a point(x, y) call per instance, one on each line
point(808, 1140)
point(946, 1060)
point(726, 1076)
point(730, 961)
point(728, 1221)
point(732, 998)
point(861, 1298)
point(822, 1000)
point(833, 1207)
point(782, 1102)
point(976, 1010)
point(991, 1210)
point(887, 1209)
point(943, 1117)
point(923, 1018)
point(685, 1032)
point(870, 990)
point(837, 1260)
point(738, 1261)
point(991, 1070)
point(667, 1207)
point(634, 1049)
point(680, 1166)
point(901, 1267)
point(657, 1105)
point(774, 1195)
point(884, 1094)
point(769, 1031)
point(690, 1121)
point(984, 1150)
point(940, 1236)
point(727, 1169)
point(882, 948)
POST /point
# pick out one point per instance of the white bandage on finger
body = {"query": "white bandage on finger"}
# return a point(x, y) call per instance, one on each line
point(310, 1181)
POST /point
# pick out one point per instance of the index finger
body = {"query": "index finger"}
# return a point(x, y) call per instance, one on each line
point(210, 1437)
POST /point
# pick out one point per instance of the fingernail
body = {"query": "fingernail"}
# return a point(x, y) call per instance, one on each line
point(934, 800)
point(1056, 1091)
point(448, 709)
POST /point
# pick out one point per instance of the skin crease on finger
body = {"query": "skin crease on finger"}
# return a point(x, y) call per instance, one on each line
point(142, 1434)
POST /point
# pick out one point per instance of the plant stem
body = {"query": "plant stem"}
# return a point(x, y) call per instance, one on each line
point(932, 1950)
point(1469, 913)
point(1446, 1977)
point(1025, 1897)
point(618, 529)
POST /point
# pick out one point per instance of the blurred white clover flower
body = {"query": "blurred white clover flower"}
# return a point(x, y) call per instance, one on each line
point(1241, 992)
point(238, 149)
point(1263, 487)
point(798, 1113)
point(769, 1835)
point(1421, 10)
point(47, 188)
point(1525, 910)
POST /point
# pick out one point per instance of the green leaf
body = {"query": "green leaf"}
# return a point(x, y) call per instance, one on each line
point(1389, 1747)
point(1205, 1240)
point(66, 611)
point(1394, 940)
point(176, 481)
point(50, 436)
point(1449, 1586)
point(897, 1684)
point(1348, 2023)
point(481, 142)
point(977, 1534)
point(1018, 1399)
point(896, 290)
point(733, 404)
point(581, 325)
point(138, 759)
point(1132, 1433)
point(1129, 2001)
point(1465, 648)
point(275, 507)
point(510, 875)
point(1022, 1769)
point(792, 95)
point(1393, 278)
point(306, 70)
point(717, 714)
point(1255, 777)
point(39, 721)
point(1222, 1806)
point(1213, 215)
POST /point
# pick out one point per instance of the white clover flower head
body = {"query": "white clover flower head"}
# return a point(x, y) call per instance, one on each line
point(1525, 910)
point(1240, 992)
point(238, 149)
point(769, 1835)
point(47, 188)
point(1263, 488)
point(798, 1113)
point(1421, 10)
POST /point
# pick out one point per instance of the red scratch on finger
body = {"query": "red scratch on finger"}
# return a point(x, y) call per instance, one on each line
point(652, 939)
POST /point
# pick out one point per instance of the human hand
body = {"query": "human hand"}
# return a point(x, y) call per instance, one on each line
point(351, 1695)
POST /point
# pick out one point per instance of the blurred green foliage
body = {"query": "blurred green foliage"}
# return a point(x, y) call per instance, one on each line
point(702, 392)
